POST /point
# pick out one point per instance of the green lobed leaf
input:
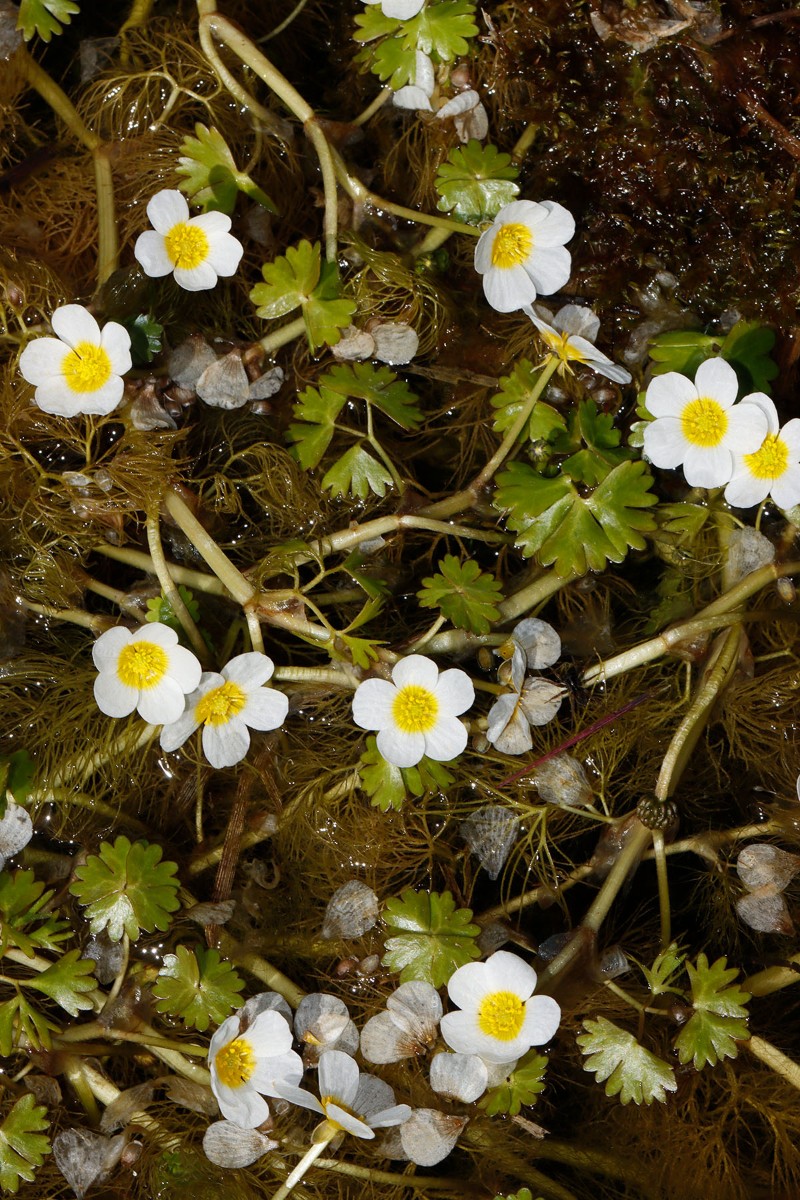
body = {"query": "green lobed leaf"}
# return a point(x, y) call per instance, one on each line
point(475, 182)
point(159, 609)
point(661, 976)
point(523, 1085)
point(545, 421)
point(324, 312)
point(357, 473)
point(720, 1015)
point(463, 593)
point(748, 349)
point(316, 410)
point(363, 652)
point(629, 1071)
point(682, 350)
point(22, 921)
point(22, 1024)
point(17, 772)
point(23, 1145)
point(388, 786)
point(435, 938)
point(146, 341)
point(45, 17)
point(197, 986)
point(127, 889)
point(441, 29)
point(378, 386)
point(601, 452)
point(67, 981)
point(289, 281)
point(210, 175)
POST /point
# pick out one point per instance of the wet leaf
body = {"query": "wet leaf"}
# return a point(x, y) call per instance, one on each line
point(463, 593)
point(522, 1086)
point(629, 1071)
point(210, 175)
point(23, 1146)
point(127, 889)
point(719, 1020)
point(67, 982)
point(358, 474)
point(545, 421)
point(197, 986)
point(436, 937)
point(45, 17)
point(476, 182)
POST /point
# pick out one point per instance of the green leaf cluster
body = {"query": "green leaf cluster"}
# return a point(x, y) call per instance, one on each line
point(160, 610)
point(441, 29)
point(127, 889)
point(16, 776)
point(210, 175)
point(475, 182)
point(389, 786)
point(747, 348)
point(545, 423)
point(299, 279)
point(463, 593)
point(24, 921)
point(45, 17)
point(434, 938)
point(23, 1145)
point(523, 1085)
point(146, 340)
point(719, 1020)
point(197, 986)
point(628, 1069)
point(667, 967)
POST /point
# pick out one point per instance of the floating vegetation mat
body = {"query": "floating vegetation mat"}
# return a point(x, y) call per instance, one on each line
point(399, 661)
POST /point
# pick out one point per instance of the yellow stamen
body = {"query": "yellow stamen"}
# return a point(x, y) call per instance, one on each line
point(704, 422)
point(235, 1063)
point(501, 1015)
point(770, 460)
point(415, 709)
point(142, 665)
point(186, 245)
point(220, 704)
point(511, 246)
point(86, 368)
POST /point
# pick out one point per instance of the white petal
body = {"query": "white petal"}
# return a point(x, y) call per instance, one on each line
point(459, 1076)
point(278, 1068)
point(667, 395)
point(747, 428)
point(383, 1041)
point(716, 378)
point(54, 396)
point(338, 1076)
point(786, 490)
point(762, 401)
point(459, 1031)
point(162, 704)
point(116, 341)
point(16, 830)
point(372, 704)
point(347, 1121)
point(455, 692)
point(249, 670)
point(175, 734)
point(663, 443)
point(707, 467)
point(483, 250)
point(539, 641)
point(299, 1096)
point(226, 745)
point(196, 279)
point(266, 708)
point(577, 320)
point(269, 1033)
point(224, 253)
point(469, 984)
point(424, 77)
point(500, 714)
point(396, 1115)
point(549, 267)
point(558, 226)
point(167, 208)
point(43, 359)
point(540, 700)
point(212, 223)
point(508, 288)
point(106, 649)
point(73, 323)
point(446, 740)
point(150, 252)
point(416, 669)
point(228, 1030)
point(401, 749)
point(509, 973)
point(790, 434)
point(184, 668)
point(461, 103)
point(114, 698)
point(242, 1105)
point(401, 10)
point(411, 97)
point(542, 1019)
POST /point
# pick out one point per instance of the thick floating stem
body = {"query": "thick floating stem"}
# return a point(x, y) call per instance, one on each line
point(217, 559)
point(772, 1057)
point(169, 589)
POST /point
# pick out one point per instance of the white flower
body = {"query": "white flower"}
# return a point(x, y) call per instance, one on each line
point(772, 470)
point(195, 249)
point(533, 644)
point(248, 1064)
point(699, 426)
point(406, 1028)
point(522, 253)
point(469, 116)
point(570, 337)
point(146, 670)
point(358, 1104)
point(80, 370)
point(500, 1018)
point(401, 10)
point(417, 714)
point(225, 704)
point(416, 94)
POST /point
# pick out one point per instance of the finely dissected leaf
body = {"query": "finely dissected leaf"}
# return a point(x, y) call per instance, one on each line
point(210, 174)
point(476, 182)
point(388, 786)
point(357, 473)
point(463, 593)
point(573, 531)
point(22, 923)
point(630, 1071)
point(44, 17)
point(23, 1146)
point(67, 982)
point(21, 1023)
point(523, 1085)
point(127, 889)
point(545, 421)
point(197, 986)
point(661, 976)
point(436, 937)
point(720, 1016)
point(289, 281)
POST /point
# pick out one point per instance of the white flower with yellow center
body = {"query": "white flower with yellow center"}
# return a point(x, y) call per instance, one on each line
point(417, 714)
point(571, 337)
point(248, 1064)
point(500, 1018)
point(699, 425)
point(522, 255)
point(349, 1101)
point(400, 10)
point(225, 705)
point(772, 470)
point(80, 370)
point(196, 250)
point(146, 670)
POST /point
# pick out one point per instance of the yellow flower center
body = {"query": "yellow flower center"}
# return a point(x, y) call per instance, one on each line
point(220, 704)
point(704, 422)
point(771, 460)
point(235, 1063)
point(187, 245)
point(142, 665)
point(512, 245)
point(501, 1015)
point(86, 368)
point(562, 347)
point(415, 709)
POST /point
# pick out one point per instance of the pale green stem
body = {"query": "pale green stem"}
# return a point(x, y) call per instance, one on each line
point(170, 590)
point(106, 1092)
point(703, 844)
point(773, 979)
point(534, 594)
point(433, 239)
point(120, 978)
point(74, 616)
point(774, 1058)
point(267, 118)
point(417, 1183)
point(467, 497)
point(524, 142)
point(122, 600)
point(210, 858)
point(260, 968)
point(97, 1031)
point(544, 891)
point(379, 450)
point(340, 675)
point(331, 216)
point(140, 11)
point(107, 234)
point(383, 96)
point(197, 580)
point(298, 8)
point(284, 335)
point(423, 639)
point(75, 1071)
point(217, 559)
point(306, 1162)
point(663, 888)
point(254, 629)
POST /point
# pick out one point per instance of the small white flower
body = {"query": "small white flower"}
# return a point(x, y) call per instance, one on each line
point(225, 704)
point(533, 645)
point(416, 94)
point(570, 337)
point(500, 1018)
point(248, 1064)
point(146, 670)
point(406, 1028)
point(699, 425)
point(80, 370)
point(522, 253)
point(195, 249)
point(469, 116)
point(400, 10)
point(356, 1103)
point(772, 470)
point(417, 714)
